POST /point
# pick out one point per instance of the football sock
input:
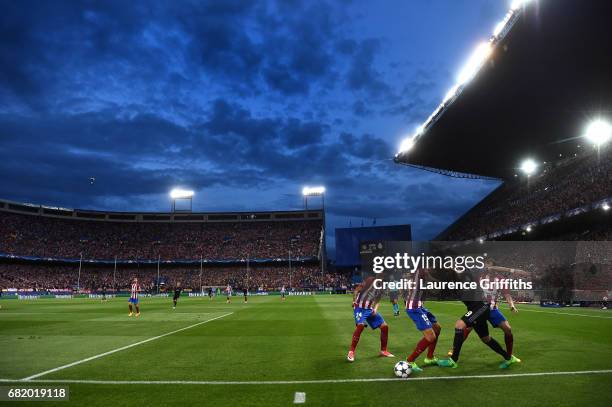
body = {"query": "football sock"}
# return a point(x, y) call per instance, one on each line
point(493, 344)
point(509, 339)
point(356, 335)
point(384, 337)
point(457, 343)
point(421, 346)
point(432, 346)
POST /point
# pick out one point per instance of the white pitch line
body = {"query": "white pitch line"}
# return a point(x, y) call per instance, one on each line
point(566, 313)
point(571, 314)
point(78, 362)
point(330, 381)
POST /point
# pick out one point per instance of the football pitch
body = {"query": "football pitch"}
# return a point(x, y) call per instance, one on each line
point(267, 352)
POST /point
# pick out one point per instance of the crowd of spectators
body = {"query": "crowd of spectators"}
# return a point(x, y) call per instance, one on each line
point(557, 188)
point(40, 236)
point(558, 270)
point(96, 278)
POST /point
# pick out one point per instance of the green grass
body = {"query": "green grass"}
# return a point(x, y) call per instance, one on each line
point(303, 338)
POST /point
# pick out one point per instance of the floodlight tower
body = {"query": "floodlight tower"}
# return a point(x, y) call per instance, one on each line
point(314, 191)
point(529, 166)
point(598, 132)
point(317, 191)
point(181, 194)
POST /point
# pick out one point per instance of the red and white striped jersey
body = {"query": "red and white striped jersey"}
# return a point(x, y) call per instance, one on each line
point(414, 296)
point(492, 295)
point(369, 296)
point(134, 291)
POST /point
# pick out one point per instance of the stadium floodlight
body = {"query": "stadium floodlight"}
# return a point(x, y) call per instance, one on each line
point(178, 193)
point(516, 4)
point(598, 132)
point(183, 195)
point(605, 206)
point(313, 191)
point(528, 229)
point(529, 166)
point(407, 144)
point(499, 28)
point(420, 130)
point(451, 93)
point(474, 63)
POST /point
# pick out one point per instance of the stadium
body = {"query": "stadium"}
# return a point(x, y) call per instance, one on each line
point(43, 246)
point(249, 308)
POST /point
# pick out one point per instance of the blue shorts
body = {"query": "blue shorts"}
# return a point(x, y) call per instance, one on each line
point(367, 315)
point(496, 317)
point(422, 318)
point(133, 300)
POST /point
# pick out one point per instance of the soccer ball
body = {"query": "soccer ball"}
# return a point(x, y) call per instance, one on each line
point(402, 369)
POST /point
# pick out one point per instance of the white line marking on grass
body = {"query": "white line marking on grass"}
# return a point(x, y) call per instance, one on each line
point(566, 313)
point(78, 362)
point(330, 381)
point(299, 398)
point(558, 313)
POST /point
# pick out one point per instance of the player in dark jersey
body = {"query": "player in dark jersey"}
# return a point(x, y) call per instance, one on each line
point(210, 293)
point(424, 321)
point(177, 294)
point(245, 293)
point(492, 296)
point(366, 300)
point(478, 312)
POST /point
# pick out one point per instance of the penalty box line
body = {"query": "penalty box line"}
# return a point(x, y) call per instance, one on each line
point(78, 362)
point(330, 381)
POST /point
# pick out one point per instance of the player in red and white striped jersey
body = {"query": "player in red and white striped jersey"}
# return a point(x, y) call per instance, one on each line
point(228, 293)
point(423, 319)
point(133, 301)
point(365, 310)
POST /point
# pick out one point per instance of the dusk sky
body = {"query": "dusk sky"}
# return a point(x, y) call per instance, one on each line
point(243, 101)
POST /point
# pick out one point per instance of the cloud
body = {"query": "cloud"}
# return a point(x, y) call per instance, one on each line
point(219, 95)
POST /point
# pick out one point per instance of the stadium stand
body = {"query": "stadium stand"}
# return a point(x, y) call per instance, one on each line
point(522, 114)
point(41, 247)
point(562, 189)
point(46, 277)
point(522, 102)
point(67, 238)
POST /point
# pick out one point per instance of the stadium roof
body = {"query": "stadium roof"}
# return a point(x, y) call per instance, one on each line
point(549, 72)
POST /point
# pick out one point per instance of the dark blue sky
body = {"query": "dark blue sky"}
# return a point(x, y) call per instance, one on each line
point(243, 101)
